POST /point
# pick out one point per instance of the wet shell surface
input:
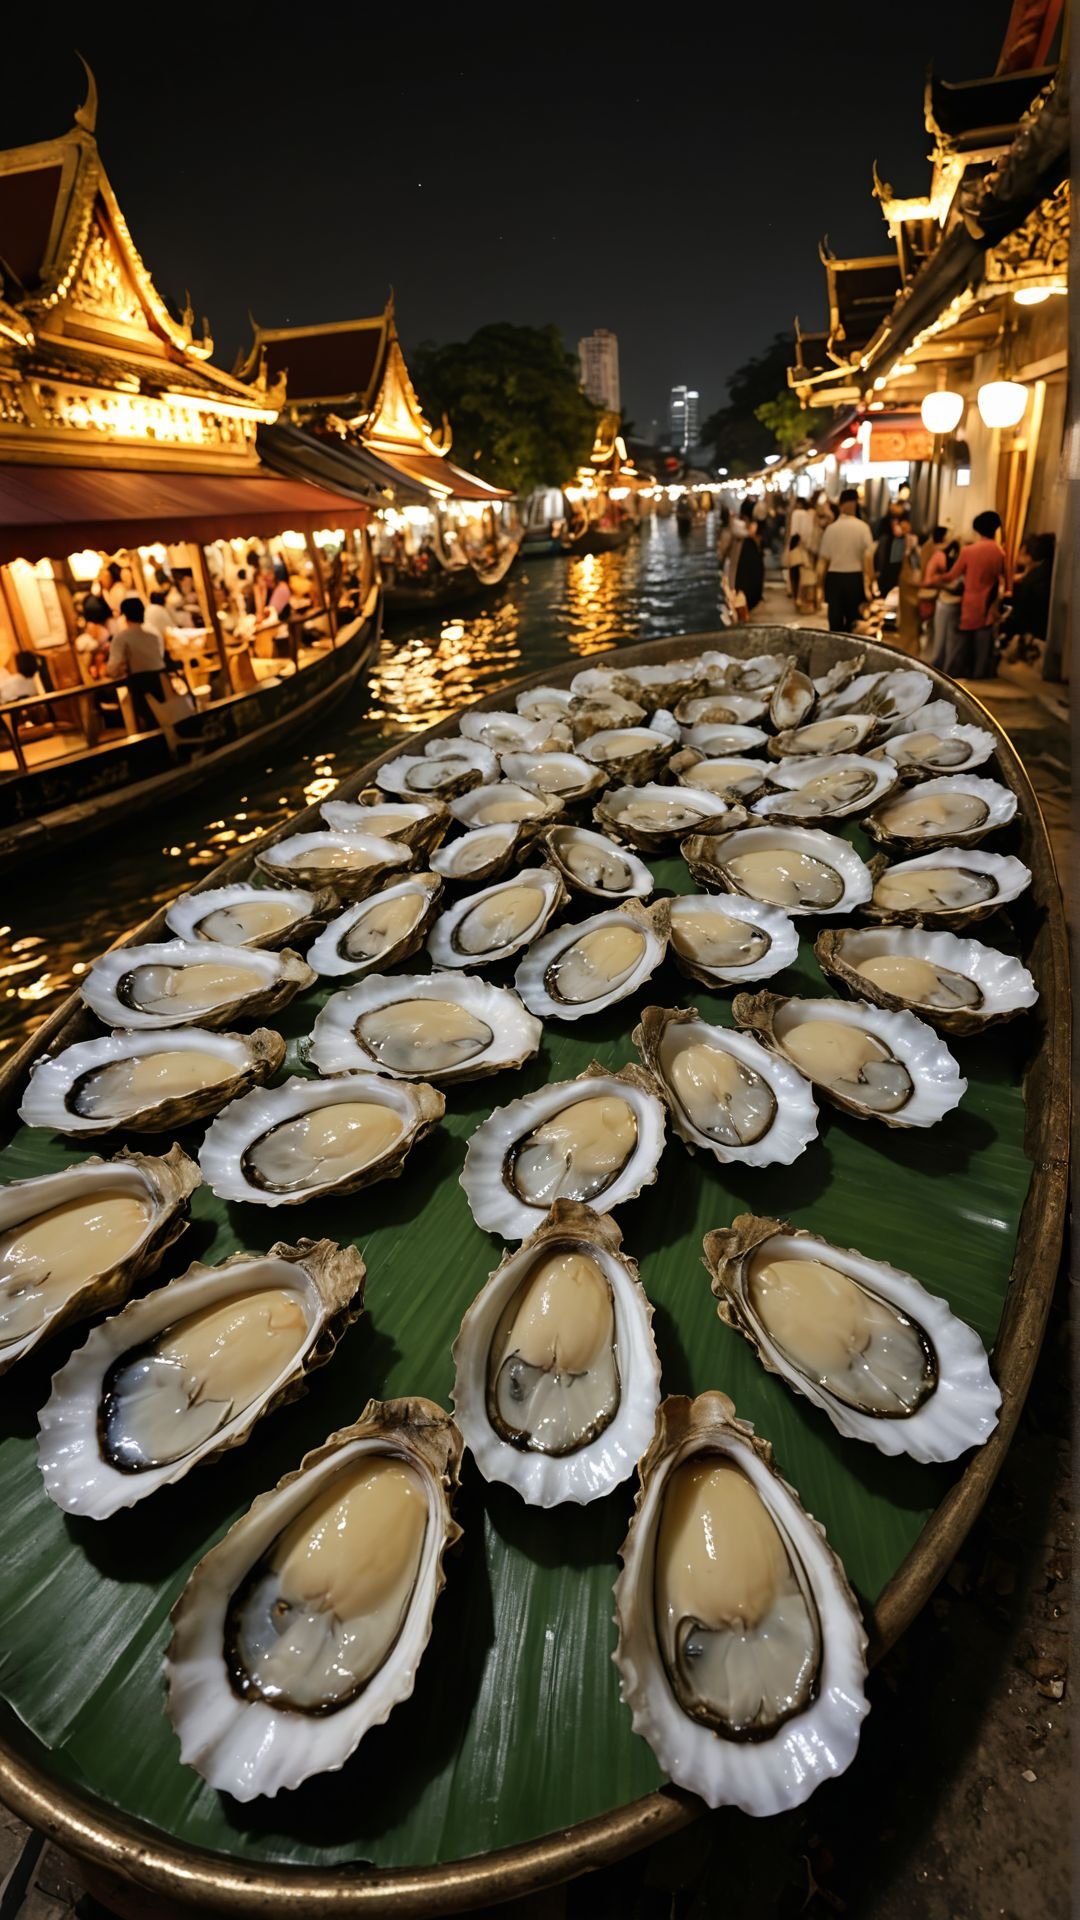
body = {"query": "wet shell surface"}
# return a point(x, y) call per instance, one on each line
point(565, 777)
point(505, 733)
point(960, 986)
point(722, 939)
point(505, 803)
point(174, 983)
point(590, 863)
point(719, 710)
point(793, 699)
point(556, 1380)
point(718, 743)
point(734, 780)
point(887, 1361)
point(951, 887)
point(348, 1552)
point(957, 810)
point(247, 916)
point(650, 816)
point(282, 1146)
point(483, 928)
point(75, 1243)
point(482, 854)
point(424, 1026)
point(147, 1082)
point(183, 1374)
point(416, 823)
point(890, 696)
point(544, 703)
point(445, 768)
point(799, 869)
point(600, 713)
point(378, 932)
point(628, 755)
point(726, 1094)
point(824, 786)
point(760, 674)
point(866, 1060)
point(847, 734)
point(918, 750)
point(744, 1670)
point(354, 864)
point(580, 969)
point(596, 1140)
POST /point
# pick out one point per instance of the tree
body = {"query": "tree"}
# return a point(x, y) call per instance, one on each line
point(511, 395)
point(788, 422)
point(736, 432)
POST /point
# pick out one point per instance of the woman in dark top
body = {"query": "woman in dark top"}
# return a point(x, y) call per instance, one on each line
point(1027, 614)
point(750, 570)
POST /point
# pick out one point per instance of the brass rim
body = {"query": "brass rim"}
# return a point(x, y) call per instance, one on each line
point(125, 1856)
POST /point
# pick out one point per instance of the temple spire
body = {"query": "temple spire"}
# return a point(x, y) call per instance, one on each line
point(86, 116)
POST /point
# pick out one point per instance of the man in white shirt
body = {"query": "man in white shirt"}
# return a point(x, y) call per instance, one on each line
point(802, 543)
point(847, 557)
point(157, 617)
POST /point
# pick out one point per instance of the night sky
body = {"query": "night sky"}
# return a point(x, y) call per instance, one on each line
point(671, 184)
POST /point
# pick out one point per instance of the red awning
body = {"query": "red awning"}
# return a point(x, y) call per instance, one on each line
point(45, 511)
point(440, 474)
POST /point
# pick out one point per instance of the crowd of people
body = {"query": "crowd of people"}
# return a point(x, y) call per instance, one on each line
point(954, 603)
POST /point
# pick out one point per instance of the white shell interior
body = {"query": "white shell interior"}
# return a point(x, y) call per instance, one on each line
point(795, 1121)
point(515, 1034)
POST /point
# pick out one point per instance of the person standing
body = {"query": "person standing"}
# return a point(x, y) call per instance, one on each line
point(137, 656)
point(750, 571)
point(981, 568)
point(157, 616)
point(803, 537)
point(847, 558)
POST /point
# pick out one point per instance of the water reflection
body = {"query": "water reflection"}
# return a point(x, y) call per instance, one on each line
point(63, 912)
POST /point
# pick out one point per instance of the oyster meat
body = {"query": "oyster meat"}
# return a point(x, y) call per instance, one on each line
point(417, 823)
point(960, 986)
point(847, 735)
point(578, 970)
point(630, 754)
point(650, 815)
point(721, 939)
point(505, 803)
point(957, 809)
point(948, 748)
point(432, 1026)
point(556, 1377)
point(822, 786)
point(147, 1082)
point(484, 928)
point(951, 886)
point(186, 1372)
point(565, 777)
point(481, 854)
point(305, 1626)
point(591, 863)
point(379, 931)
point(800, 869)
point(445, 769)
point(726, 1094)
point(284, 1145)
point(175, 983)
point(352, 863)
point(247, 916)
point(872, 1063)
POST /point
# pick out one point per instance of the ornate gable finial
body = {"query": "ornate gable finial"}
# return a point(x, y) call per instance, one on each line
point(86, 116)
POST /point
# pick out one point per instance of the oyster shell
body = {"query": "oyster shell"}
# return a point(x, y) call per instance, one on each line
point(793, 698)
point(596, 1140)
point(957, 811)
point(578, 970)
point(420, 824)
point(743, 1669)
point(825, 787)
point(649, 816)
point(247, 916)
point(840, 673)
point(75, 1243)
point(760, 674)
point(720, 743)
point(723, 939)
point(890, 696)
point(176, 983)
point(429, 1026)
point(800, 869)
point(871, 1063)
point(628, 754)
point(959, 986)
point(378, 932)
point(950, 888)
point(282, 1146)
point(446, 767)
point(719, 710)
point(564, 777)
point(732, 779)
point(147, 1082)
point(556, 1379)
point(847, 733)
point(544, 703)
point(662, 685)
point(356, 863)
point(887, 1361)
point(505, 803)
point(185, 1373)
point(590, 863)
point(726, 1095)
point(929, 749)
point(504, 733)
point(599, 713)
point(483, 853)
point(483, 928)
point(939, 714)
point(347, 1554)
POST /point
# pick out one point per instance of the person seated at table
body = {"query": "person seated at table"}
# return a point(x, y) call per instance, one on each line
point(157, 616)
point(272, 600)
point(93, 643)
point(137, 656)
point(22, 682)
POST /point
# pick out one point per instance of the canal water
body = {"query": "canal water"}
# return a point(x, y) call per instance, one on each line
point(55, 917)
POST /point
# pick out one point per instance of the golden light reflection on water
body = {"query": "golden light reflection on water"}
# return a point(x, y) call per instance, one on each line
point(64, 914)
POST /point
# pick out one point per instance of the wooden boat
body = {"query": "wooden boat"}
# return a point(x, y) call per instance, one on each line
point(446, 588)
point(98, 1770)
point(54, 802)
point(597, 539)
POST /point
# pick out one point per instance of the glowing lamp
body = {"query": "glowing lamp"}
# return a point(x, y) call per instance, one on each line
point(771, 459)
point(941, 411)
point(85, 565)
point(1031, 296)
point(1002, 403)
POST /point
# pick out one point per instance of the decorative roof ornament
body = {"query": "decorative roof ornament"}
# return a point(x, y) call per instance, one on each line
point(86, 115)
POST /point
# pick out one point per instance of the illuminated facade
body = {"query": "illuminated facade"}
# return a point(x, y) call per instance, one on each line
point(683, 417)
point(598, 359)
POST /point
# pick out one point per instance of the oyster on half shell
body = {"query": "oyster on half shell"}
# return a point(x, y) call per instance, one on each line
point(281, 1146)
point(869, 1062)
point(950, 887)
point(186, 1372)
point(424, 1026)
point(420, 824)
point(825, 787)
point(446, 768)
point(147, 1082)
point(505, 803)
point(556, 1379)
point(744, 1668)
point(305, 1626)
point(483, 928)
point(483, 853)
point(848, 733)
point(75, 1243)
point(181, 983)
point(801, 869)
point(957, 810)
point(378, 932)
point(726, 1094)
point(581, 968)
point(793, 698)
point(630, 755)
point(960, 986)
point(596, 1139)
point(247, 916)
point(354, 863)
point(887, 1361)
point(651, 815)
point(590, 863)
point(722, 939)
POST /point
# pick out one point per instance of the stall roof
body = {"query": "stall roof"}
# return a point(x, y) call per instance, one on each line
point(440, 475)
point(50, 510)
point(329, 461)
point(326, 365)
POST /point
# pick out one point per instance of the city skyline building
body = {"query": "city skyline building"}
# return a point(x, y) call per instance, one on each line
point(598, 358)
point(683, 417)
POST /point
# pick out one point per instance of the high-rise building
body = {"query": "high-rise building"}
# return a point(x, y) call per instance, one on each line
point(684, 417)
point(598, 355)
